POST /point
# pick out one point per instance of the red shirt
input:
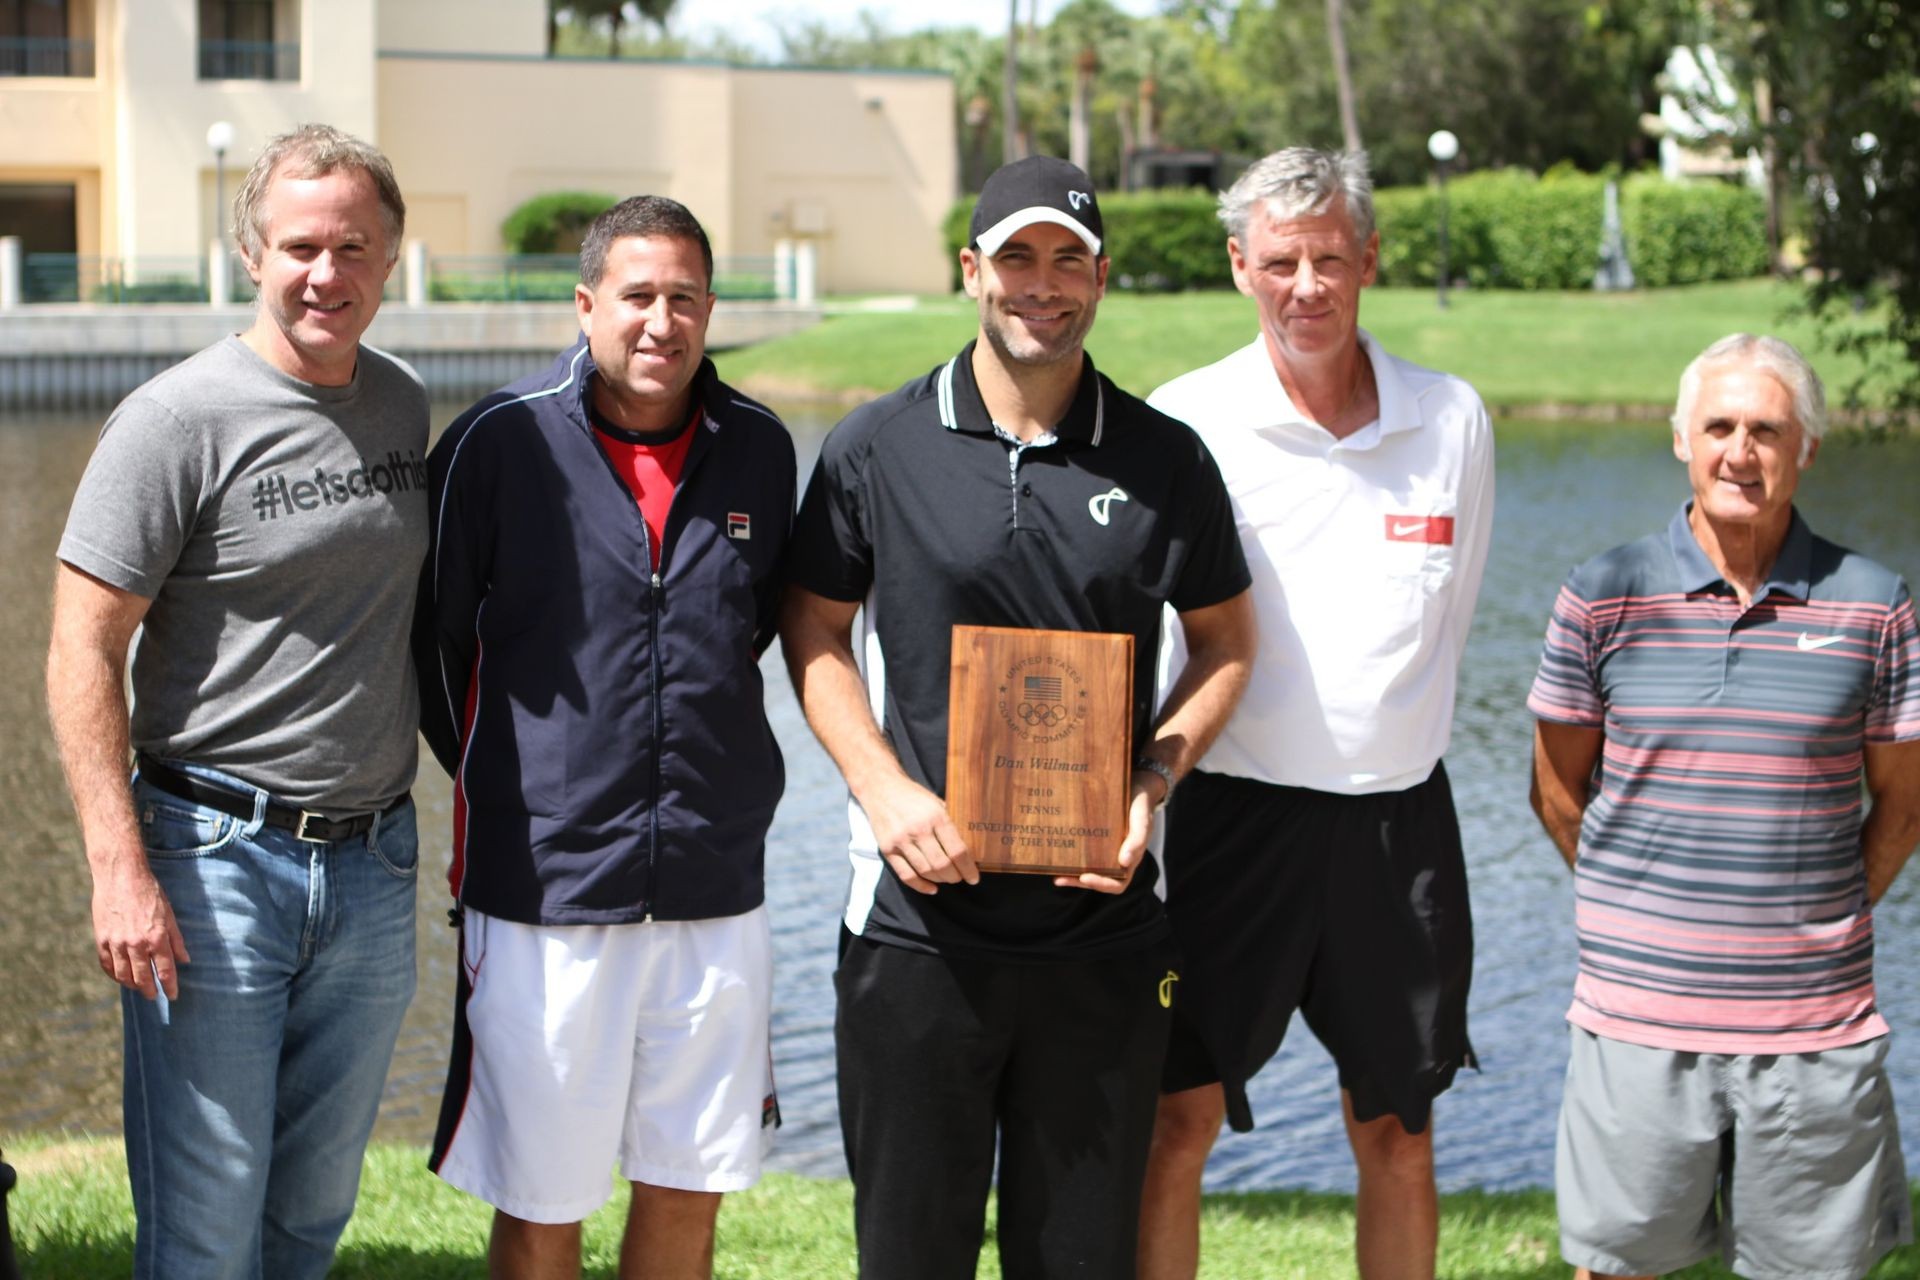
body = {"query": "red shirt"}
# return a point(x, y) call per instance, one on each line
point(649, 462)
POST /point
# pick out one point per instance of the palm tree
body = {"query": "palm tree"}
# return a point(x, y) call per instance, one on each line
point(1010, 89)
point(1343, 75)
point(612, 12)
point(657, 12)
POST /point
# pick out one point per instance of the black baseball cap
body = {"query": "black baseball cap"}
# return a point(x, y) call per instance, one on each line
point(1037, 189)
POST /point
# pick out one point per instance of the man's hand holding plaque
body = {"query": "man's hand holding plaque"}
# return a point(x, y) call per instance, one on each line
point(916, 836)
point(1038, 744)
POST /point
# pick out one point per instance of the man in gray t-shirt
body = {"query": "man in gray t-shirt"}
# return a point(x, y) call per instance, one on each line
point(251, 528)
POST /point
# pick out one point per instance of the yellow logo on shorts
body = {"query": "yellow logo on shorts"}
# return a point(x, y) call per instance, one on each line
point(1166, 989)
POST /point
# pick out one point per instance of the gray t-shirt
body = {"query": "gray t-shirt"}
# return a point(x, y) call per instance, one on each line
point(278, 528)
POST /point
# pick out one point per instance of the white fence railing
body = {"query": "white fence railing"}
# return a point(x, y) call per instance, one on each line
point(218, 278)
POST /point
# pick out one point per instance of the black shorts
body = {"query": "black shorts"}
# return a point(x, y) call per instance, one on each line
point(1352, 909)
point(939, 1055)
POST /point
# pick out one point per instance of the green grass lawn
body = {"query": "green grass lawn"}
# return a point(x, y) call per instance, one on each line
point(1521, 350)
point(72, 1221)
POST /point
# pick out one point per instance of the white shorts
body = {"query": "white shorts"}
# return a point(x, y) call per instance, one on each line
point(645, 1041)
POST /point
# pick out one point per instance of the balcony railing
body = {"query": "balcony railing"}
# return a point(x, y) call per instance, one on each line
point(45, 56)
point(67, 277)
point(248, 60)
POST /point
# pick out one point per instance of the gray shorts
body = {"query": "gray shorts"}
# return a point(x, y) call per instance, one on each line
point(1788, 1166)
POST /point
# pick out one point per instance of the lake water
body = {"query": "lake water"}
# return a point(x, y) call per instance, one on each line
point(1565, 491)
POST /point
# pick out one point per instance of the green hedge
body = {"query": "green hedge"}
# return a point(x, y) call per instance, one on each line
point(540, 224)
point(1510, 230)
point(1160, 241)
point(1506, 229)
point(1687, 234)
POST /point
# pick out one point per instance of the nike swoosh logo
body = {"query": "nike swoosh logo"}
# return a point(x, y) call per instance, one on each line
point(1807, 643)
point(1097, 506)
point(1402, 530)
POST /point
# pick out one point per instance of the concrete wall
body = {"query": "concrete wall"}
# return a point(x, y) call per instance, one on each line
point(63, 357)
point(465, 26)
point(163, 109)
point(60, 129)
point(486, 134)
point(864, 163)
point(477, 119)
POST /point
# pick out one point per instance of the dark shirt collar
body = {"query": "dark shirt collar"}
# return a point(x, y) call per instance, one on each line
point(1789, 575)
point(706, 395)
point(962, 409)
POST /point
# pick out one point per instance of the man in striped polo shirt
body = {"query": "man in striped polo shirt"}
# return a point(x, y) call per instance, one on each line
point(1709, 702)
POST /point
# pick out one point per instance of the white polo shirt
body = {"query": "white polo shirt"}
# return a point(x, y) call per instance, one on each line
point(1366, 556)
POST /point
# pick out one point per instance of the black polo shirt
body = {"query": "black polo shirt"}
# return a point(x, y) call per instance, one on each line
point(927, 514)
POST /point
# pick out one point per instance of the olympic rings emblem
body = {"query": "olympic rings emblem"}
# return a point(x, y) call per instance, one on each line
point(1042, 715)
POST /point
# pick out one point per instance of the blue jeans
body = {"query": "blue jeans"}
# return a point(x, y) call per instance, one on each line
point(250, 1097)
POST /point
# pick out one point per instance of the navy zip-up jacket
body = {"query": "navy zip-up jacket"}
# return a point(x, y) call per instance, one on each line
point(603, 722)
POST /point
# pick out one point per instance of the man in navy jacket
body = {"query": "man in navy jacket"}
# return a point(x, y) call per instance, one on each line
point(603, 576)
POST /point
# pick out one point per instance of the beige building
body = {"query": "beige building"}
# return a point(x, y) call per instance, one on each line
point(105, 108)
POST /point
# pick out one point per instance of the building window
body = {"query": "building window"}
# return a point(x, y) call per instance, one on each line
point(245, 40)
point(44, 38)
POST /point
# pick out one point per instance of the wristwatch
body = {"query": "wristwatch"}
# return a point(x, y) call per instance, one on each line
point(1147, 764)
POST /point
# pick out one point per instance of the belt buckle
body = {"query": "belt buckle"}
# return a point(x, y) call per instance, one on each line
point(300, 831)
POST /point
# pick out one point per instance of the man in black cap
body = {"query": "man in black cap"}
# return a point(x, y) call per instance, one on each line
point(1010, 486)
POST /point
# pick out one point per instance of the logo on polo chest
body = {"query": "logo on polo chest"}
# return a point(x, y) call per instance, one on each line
point(1100, 505)
point(739, 525)
point(1807, 643)
point(1432, 530)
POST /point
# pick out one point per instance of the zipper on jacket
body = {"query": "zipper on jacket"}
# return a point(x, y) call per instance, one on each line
point(659, 733)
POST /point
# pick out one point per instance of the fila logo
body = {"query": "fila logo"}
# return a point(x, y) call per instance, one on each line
point(1433, 530)
point(1807, 643)
point(1078, 198)
point(1097, 505)
point(739, 525)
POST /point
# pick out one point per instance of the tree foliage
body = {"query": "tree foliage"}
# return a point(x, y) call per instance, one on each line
point(598, 26)
point(553, 222)
point(1527, 86)
point(1842, 78)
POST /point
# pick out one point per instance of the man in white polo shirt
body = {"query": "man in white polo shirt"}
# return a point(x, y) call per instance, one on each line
point(1313, 857)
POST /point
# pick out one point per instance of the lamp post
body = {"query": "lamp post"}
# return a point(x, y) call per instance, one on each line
point(1443, 147)
point(219, 269)
point(219, 139)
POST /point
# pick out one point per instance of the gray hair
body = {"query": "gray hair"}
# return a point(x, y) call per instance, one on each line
point(1298, 182)
point(314, 151)
point(1772, 356)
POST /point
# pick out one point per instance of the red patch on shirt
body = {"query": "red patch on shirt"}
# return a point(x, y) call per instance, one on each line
point(1433, 530)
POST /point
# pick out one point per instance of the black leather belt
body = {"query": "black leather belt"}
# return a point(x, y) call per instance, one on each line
point(304, 823)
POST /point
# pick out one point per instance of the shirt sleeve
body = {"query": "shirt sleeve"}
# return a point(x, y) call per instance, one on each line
point(1893, 711)
point(1567, 687)
point(453, 585)
point(832, 550)
point(140, 498)
point(1215, 566)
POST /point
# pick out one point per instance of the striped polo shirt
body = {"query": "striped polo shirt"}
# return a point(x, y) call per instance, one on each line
point(1720, 896)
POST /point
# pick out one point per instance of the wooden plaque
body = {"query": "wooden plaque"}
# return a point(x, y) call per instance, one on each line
point(1039, 747)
